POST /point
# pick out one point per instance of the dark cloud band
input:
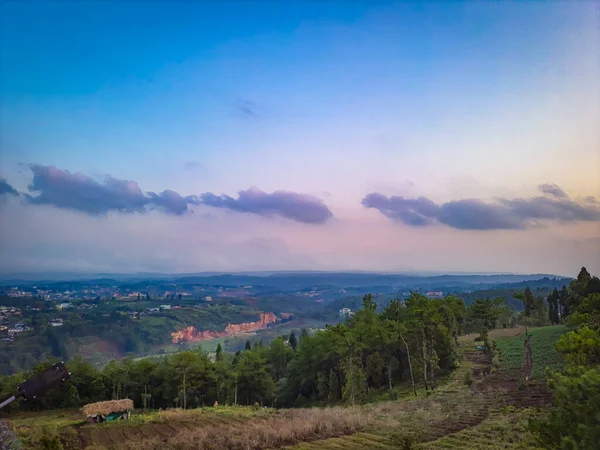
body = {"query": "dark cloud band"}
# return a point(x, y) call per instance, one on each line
point(7, 189)
point(75, 191)
point(291, 205)
point(474, 214)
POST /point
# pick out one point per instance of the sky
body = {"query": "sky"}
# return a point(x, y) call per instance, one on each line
point(383, 136)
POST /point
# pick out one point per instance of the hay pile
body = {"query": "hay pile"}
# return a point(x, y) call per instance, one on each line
point(111, 406)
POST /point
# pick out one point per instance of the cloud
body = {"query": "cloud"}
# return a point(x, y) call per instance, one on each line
point(417, 212)
point(475, 214)
point(169, 201)
point(246, 108)
point(553, 190)
point(193, 166)
point(6, 188)
point(79, 192)
point(291, 205)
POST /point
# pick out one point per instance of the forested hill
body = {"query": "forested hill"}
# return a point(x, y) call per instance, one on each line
point(107, 319)
point(291, 280)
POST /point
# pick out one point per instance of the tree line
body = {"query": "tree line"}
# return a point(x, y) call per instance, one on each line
point(411, 341)
point(575, 421)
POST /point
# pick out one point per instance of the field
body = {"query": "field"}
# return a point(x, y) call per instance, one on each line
point(544, 355)
point(489, 413)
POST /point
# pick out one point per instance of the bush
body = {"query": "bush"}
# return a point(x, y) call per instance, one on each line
point(403, 441)
point(49, 440)
point(69, 439)
point(468, 379)
point(574, 422)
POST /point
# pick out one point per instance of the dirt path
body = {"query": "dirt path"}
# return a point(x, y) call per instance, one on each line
point(447, 416)
point(504, 387)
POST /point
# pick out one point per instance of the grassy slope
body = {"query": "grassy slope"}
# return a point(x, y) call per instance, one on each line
point(455, 416)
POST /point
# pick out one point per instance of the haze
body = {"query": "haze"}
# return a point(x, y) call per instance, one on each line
point(381, 136)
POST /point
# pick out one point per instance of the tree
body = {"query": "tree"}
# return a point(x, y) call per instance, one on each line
point(355, 385)
point(563, 303)
point(369, 303)
point(528, 301)
point(254, 383)
point(573, 423)
point(304, 334)
point(278, 356)
point(484, 313)
point(593, 286)
point(182, 362)
point(587, 313)
point(578, 289)
point(219, 353)
point(553, 313)
point(248, 346)
point(333, 386)
point(292, 341)
point(580, 347)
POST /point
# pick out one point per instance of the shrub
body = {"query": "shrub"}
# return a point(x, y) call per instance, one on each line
point(69, 438)
point(574, 421)
point(49, 440)
point(468, 379)
point(403, 441)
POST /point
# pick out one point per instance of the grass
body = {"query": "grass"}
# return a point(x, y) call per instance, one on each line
point(542, 349)
point(507, 429)
point(281, 428)
point(57, 418)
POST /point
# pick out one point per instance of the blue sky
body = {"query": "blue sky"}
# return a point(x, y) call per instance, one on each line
point(447, 101)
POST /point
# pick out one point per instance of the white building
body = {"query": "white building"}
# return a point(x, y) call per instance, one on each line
point(64, 305)
point(346, 312)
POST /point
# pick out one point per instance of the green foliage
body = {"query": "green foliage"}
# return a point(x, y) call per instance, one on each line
point(581, 347)
point(588, 312)
point(355, 385)
point(49, 438)
point(293, 342)
point(484, 313)
point(575, 422)
point(553, 307)
point(350, 361)
point(535, 310)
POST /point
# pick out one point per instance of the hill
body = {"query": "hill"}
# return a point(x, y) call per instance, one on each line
point(106, 318)
point(487, 413)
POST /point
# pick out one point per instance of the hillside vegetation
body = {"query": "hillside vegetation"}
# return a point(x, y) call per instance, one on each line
point(402, 377)
point(456, 415)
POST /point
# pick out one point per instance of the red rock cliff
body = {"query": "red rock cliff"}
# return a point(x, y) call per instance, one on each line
point(191, 334)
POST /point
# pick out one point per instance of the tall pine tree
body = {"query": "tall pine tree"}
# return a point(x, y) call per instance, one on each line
point(293, 342)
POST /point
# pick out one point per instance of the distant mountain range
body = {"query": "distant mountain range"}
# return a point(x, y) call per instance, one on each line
point(282, 278)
